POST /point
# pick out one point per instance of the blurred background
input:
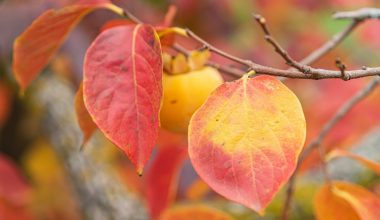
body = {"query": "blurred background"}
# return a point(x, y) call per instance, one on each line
point(43, 175)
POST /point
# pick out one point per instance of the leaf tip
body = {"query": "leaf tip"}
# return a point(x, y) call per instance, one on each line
point(140, 169)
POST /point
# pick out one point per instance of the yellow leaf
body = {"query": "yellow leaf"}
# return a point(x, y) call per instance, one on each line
point(244, 141)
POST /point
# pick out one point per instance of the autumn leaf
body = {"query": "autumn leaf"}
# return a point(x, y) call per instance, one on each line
point(85, 121)
point(192, 212)
point(122, 84)
point(344, 153)
point(342, 200)
point(162, 178)
point(245, 140)
point(33, 49)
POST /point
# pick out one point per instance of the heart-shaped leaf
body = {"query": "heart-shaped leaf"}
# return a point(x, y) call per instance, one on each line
point(245, 140)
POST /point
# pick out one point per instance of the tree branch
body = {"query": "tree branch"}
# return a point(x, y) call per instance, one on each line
point(303, 72)
point(316, 142)
point(281, 51)
point(331, 44)
point(234, 72)
point(358, 15)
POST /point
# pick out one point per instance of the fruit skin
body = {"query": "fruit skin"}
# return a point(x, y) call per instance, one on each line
point(184, 94)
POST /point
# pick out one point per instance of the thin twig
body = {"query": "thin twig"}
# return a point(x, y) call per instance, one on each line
point(303, 72)
point(310, 59)
point(222, 53)
point(289, 60)
point(361, 14)
point(234, 72)
point(363, 93)
point(329, 45)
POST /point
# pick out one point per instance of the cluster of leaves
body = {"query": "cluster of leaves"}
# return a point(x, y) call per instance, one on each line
point(243, 141)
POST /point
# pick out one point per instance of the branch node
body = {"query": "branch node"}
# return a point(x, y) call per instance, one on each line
point(203, 48)
point(342, 69)
point(307, 70)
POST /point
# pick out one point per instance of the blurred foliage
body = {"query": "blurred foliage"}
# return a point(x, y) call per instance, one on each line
point(299, 25)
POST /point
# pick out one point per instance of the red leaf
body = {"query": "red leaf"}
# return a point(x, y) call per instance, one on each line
point(245, 140)
point(33, 49)
point(85, 121)
point(162, 178)
point(123, 88)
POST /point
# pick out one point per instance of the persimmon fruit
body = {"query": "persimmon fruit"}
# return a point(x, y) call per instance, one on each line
point(184, 93)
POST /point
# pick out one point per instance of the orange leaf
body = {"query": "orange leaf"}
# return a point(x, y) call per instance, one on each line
point(342, 200)
point(85, 121)
point(33, 49)
point(122, 87)
point(192, 212)
point(162, 178)
point(245, 140)
point(343, 153)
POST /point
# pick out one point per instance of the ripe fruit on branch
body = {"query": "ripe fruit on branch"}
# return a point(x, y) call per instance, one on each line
point(187, 83)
